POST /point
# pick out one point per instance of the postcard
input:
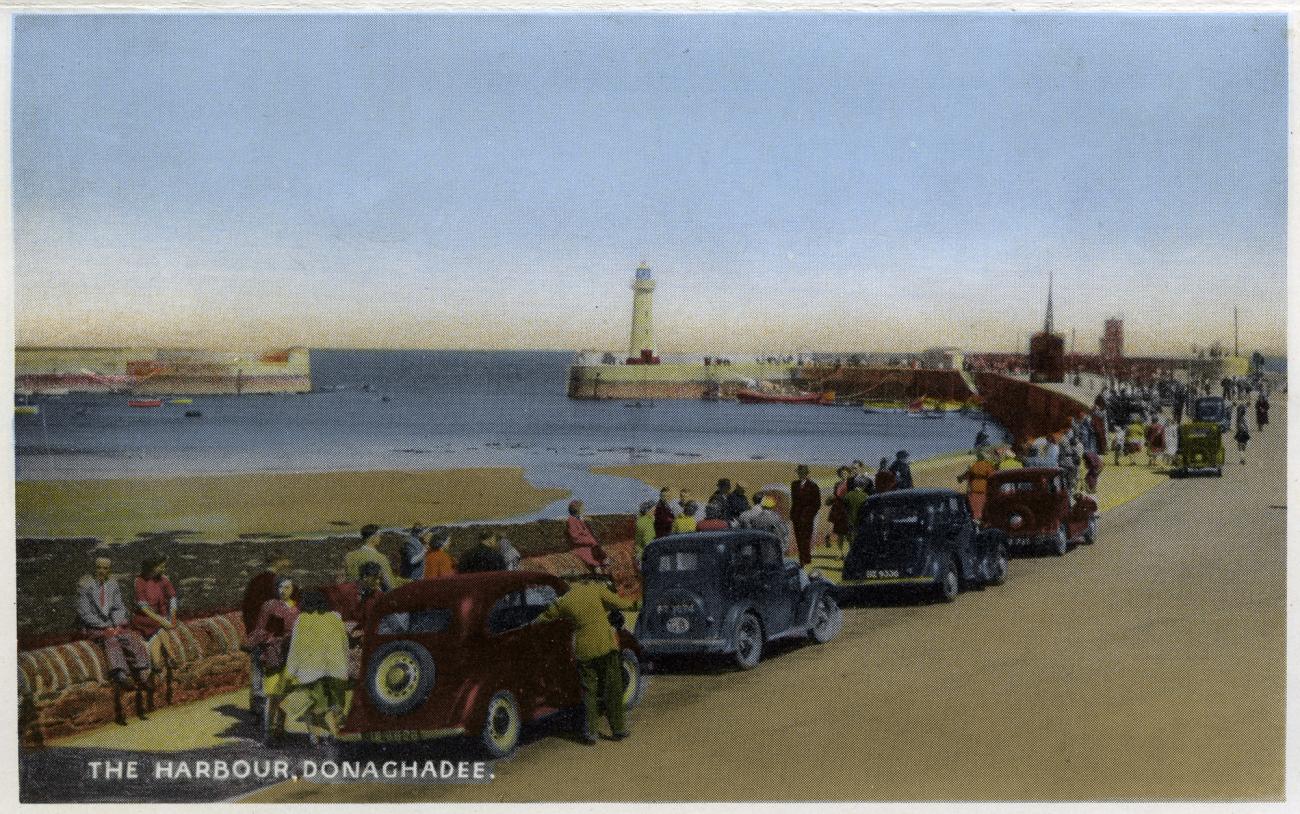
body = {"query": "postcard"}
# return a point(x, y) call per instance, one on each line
point(612, 407)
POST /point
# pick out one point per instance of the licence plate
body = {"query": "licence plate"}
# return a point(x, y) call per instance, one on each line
point(879, 574)
point(677, 624)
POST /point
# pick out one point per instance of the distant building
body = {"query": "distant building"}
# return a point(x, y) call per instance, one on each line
point(941, 359)
point(1112, 341)
point(641, 347)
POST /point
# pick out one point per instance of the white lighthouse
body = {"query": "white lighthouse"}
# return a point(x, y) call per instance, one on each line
point(641, 348)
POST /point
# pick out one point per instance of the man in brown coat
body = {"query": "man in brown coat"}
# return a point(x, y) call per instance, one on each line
point(805, 502)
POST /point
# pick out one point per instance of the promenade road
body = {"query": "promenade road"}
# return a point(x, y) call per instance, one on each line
point(1149, 666)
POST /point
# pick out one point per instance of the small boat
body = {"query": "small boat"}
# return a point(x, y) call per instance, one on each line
point(883, 410)
point(51, 392)
point(181, 401)
point(26, 409)
point(759, 397)
point(144, 403)
point(927, 414)
point(193, 414)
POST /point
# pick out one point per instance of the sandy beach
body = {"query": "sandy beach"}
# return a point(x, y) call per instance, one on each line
point(223, 507)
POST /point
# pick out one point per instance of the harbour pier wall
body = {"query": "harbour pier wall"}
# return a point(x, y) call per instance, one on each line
point(671, 380)
point(1027, 410)
point(156, 371)
point(693, 381)
point(855, 383)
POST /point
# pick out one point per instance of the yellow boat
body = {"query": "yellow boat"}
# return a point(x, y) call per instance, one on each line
point(26, 409)
point(182, 401)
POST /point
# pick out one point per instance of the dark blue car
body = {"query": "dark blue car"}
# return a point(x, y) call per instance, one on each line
point(924, 538)
point(729, 592)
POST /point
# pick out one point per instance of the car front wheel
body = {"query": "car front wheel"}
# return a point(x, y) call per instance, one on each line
point(747, 642)
point(995, 566)
point(827, 619)
point(948, 583)
point(501, 725)
point(1061, 542)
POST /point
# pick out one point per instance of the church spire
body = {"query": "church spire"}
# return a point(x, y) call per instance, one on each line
point(1047, 323)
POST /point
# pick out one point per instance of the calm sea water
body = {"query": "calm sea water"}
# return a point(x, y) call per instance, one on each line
point(449, 409)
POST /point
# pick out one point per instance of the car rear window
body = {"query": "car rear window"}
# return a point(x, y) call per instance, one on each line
point(679, 561)
point(899, 513)
point(519, 608)
point(429, 620)
point(1208, 410)
point(1013, 486)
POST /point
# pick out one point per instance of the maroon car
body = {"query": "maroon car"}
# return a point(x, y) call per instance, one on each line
point(458, 655)
point(1032, 507)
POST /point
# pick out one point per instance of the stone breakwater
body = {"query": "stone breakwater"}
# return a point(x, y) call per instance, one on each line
point(64, 689)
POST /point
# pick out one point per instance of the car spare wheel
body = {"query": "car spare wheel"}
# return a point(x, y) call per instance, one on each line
point(400, 677)
point(747, 642)
point(501, 725)
point(634, 679)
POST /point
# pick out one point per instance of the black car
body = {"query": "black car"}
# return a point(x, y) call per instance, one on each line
point(1212, 410)
point(729, 592)
point(924, 537)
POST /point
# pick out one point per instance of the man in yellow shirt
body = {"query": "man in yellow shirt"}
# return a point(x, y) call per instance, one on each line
point(369, 551)
point(587, 604)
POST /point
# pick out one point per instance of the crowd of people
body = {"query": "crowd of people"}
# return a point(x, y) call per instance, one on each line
point(731, 506)
point(1130, 419)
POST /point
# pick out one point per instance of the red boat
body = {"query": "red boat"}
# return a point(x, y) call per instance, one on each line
point(759, 397)
point(144, 403)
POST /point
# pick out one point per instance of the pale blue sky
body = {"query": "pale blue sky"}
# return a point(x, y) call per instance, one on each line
point(797, 181)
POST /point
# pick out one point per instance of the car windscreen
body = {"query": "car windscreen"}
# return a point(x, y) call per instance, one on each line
point(428, 620)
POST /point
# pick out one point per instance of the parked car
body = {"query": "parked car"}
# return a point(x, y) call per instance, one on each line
point(923, 537)
point(458, 655)
point(1200, 449)
point(1212, 410)
point(1032, 507)
point(729, 592)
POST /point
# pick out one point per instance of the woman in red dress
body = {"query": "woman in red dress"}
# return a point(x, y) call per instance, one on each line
point(582, 540)
point(155, 607)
